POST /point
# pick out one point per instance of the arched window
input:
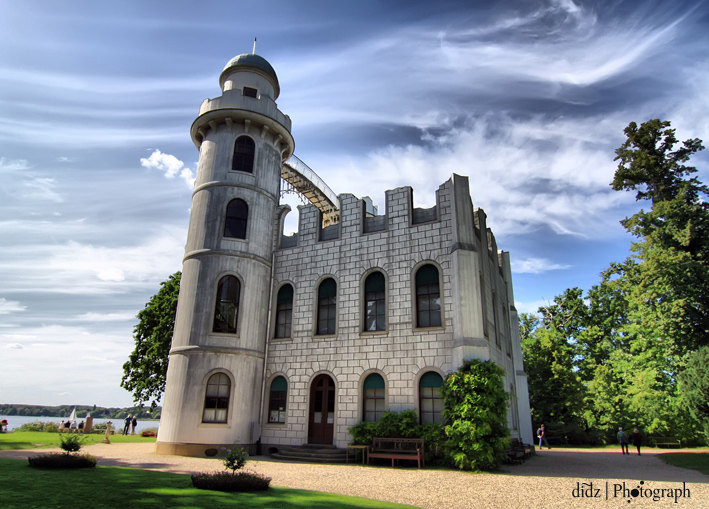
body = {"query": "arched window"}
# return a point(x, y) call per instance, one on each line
point(216, 400)
point(243, 160)
point(375, 302)
point(327, 306)
point(277, 401)
point(284, 311)
point(237, 215)
point(373, 397)
point(428, 297)
point(430, 402)
point(227, 306)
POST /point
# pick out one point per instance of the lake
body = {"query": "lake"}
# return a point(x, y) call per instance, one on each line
point(15, 421)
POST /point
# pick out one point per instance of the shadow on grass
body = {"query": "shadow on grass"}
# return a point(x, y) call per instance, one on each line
point(109, 487)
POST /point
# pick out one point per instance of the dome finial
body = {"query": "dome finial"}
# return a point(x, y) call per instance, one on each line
point(254, 51)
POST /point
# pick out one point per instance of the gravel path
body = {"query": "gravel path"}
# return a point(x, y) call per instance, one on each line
point(548, 480)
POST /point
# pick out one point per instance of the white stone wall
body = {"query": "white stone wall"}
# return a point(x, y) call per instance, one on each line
point(402, 353)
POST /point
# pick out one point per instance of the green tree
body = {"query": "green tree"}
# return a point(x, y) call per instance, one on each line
point(144, 373)
point(694, 385)
point(475, 410)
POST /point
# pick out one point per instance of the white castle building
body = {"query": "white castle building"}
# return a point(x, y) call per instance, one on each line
point(290, 340)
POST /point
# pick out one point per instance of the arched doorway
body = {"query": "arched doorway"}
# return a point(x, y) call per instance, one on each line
point(322, 410)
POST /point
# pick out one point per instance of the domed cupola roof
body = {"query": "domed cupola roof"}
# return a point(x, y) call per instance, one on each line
point(251, 61)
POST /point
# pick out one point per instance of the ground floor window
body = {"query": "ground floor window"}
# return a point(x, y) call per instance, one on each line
point(277, 401)
point(216, 401)
point(373, 398)
point(430, 402)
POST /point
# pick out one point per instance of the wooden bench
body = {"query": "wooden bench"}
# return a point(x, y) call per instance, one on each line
point(516, 453)
point(397, 449)
point(666, 441)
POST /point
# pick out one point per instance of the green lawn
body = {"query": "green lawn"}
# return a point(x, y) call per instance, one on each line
point(43, 440)
point(22, 486)
point(693, 460)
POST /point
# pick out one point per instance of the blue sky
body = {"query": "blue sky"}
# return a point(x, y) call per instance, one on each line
point(529, 99)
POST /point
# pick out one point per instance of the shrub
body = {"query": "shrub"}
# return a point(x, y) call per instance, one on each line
point(148, 433)
point(231, 481)
point(234, 460)
point(39, 426)
point(63, 460)
point(475, 408)
point(71, 442)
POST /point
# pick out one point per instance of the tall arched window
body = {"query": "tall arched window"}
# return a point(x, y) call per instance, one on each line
point(375, 302)
point(216, 400)
point(373, 397)
point(284, 311)
point(237, 215)
point(244, 149)
point(327, 306)
point(277, 401)
point(428, 297)
point(430, 402)
point(227, 306)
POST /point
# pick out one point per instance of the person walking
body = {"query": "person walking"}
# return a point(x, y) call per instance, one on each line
point(636, 439)
point(542, 435)
point(623, 439)
point(126, 426)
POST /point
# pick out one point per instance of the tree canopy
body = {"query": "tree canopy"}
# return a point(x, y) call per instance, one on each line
point(630, 337)
point(145, 372)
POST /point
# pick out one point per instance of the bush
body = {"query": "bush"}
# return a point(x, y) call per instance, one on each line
point(149, 432)
point(39, 426)
point(71, 442)
point(475, 408)
point(228, 481)
point(234, 460)
point(63, 460)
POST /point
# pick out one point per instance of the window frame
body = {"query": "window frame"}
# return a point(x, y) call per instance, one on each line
point(283, 326)
point(220, 303)
point(374, 292)
point(243, 155)
point(326, 305)
point(423, 290)
point(236, 219)
point(273, 401)
point(220, 402)
point(430, 395)
point(375, 395)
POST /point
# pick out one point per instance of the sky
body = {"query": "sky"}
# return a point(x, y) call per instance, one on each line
point(528, 99)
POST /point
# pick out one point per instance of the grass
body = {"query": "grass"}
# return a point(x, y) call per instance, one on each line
point(43, 439)
point(110, 487)
point(691, 460)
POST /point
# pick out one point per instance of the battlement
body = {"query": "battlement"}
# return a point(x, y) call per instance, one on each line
point(453, 213)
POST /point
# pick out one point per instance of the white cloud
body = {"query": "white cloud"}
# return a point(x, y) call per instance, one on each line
point(105, 317)
point(535, 266)
point(13, 164)
point(170, 165)
point(42, 188)
point(15, 346)
point(10, 306)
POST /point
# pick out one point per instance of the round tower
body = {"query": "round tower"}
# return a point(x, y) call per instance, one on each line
point(214, 379)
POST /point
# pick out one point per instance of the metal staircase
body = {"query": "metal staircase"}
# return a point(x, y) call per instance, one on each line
point(300, 178)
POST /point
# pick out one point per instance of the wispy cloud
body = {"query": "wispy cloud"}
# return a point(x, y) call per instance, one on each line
point(10, 306)
point(536, 266)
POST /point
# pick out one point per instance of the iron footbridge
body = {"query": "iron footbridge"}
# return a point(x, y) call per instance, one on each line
point(299, 178)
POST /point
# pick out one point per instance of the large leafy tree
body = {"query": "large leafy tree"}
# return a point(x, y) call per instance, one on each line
point(694, 384)
point(145, 372)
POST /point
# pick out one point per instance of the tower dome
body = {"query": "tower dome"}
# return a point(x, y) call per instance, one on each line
point(251, 62)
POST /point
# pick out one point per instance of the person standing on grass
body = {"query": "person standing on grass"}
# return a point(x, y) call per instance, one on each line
point(542, 435)
point(134, 423)
point(623, 439)
point(637, 439)
point(127, 422)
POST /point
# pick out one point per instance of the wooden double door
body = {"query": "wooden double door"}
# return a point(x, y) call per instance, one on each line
point(322, 410)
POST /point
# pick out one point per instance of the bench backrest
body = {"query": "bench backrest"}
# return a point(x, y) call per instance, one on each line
point(397, 444)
